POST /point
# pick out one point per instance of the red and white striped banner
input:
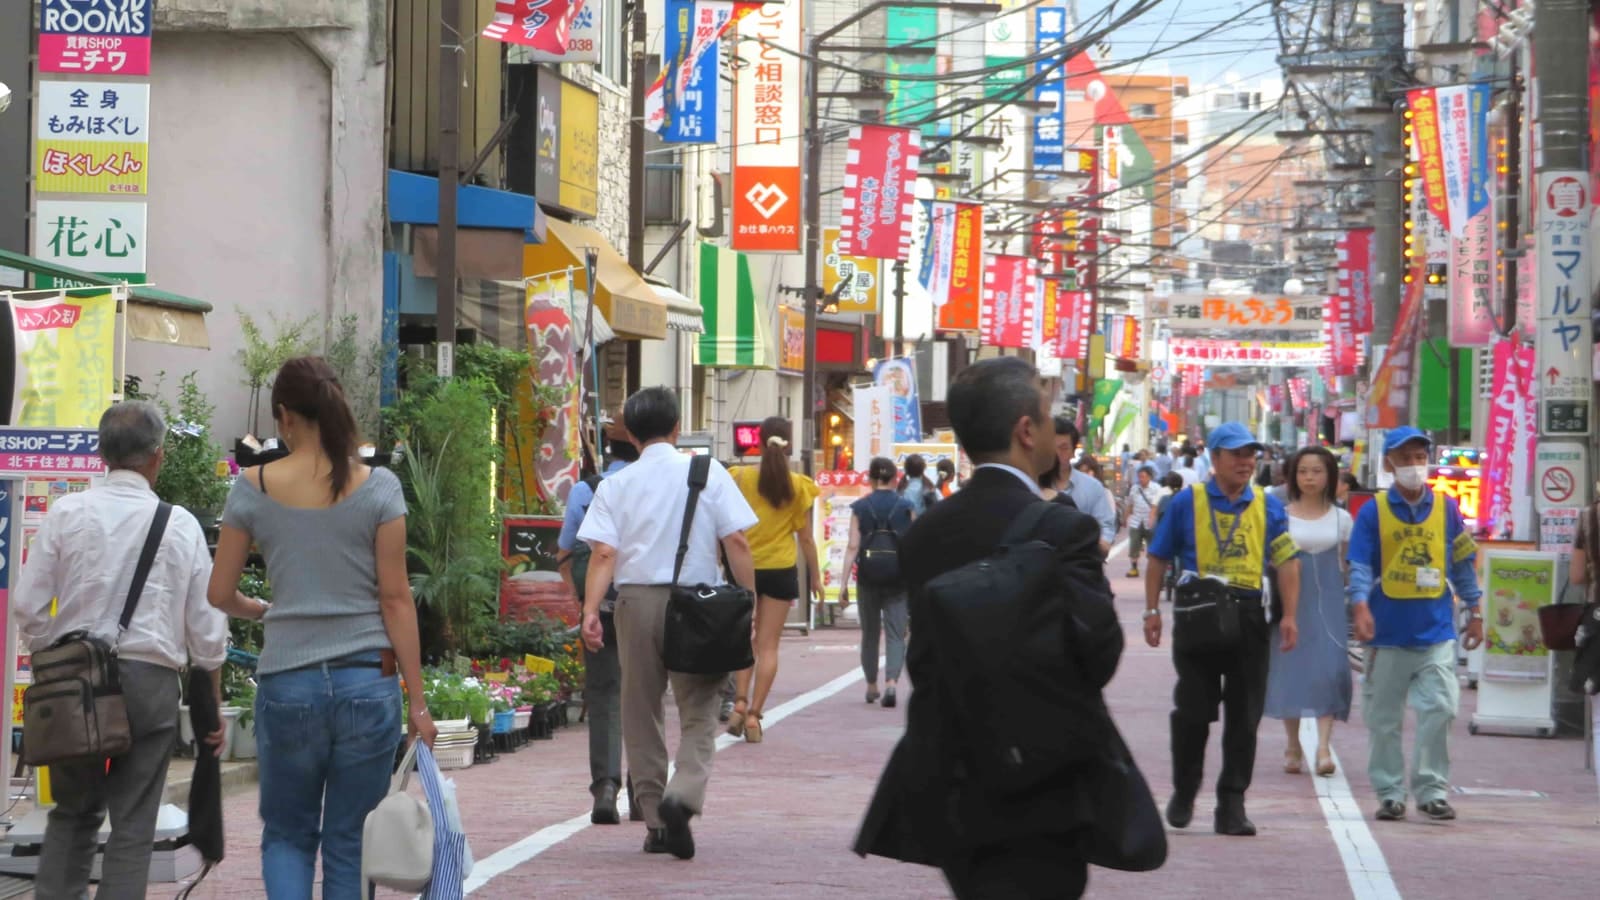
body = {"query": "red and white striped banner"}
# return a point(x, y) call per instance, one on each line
point(1355, 274)
point(1010, 295)
point(880, 175)
point(1071, 333)
point(541, 24)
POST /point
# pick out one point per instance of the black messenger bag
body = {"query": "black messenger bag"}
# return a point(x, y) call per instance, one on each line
point(708, 626)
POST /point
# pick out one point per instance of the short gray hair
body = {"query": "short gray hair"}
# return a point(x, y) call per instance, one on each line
point(130, 434)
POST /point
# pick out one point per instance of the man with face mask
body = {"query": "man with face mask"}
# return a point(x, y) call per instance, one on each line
point(1420, 550)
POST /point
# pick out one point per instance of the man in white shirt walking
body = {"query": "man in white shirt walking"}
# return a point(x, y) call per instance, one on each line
point(633, 528)
point(84, 555)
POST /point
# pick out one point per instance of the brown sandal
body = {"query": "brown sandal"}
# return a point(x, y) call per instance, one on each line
point(752, 728)
point(736, 721)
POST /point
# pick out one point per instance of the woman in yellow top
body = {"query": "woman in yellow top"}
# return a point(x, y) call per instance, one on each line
point(782, 501)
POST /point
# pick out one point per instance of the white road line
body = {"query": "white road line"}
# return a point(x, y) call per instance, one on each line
point(1363, 862)
point(503, 861)
point(1116, 548)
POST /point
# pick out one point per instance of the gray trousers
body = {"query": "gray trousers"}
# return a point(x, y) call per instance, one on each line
point(641, 625)
point(602, 691)
point(132, 792)
point(882, 608)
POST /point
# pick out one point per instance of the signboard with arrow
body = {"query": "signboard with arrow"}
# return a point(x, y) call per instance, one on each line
point(1565, 343)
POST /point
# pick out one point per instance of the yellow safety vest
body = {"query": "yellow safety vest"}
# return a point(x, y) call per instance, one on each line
point(1241, 558)
point(1407, 549)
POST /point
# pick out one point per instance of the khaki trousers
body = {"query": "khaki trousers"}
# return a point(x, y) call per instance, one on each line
point(641, 619)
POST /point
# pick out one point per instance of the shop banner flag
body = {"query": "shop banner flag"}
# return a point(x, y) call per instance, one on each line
point(1105, 393)
point(1083, 76)
point(707, 21)
point(1354, 276)
point(1010, 290)
point(544, 25)
point(548, 454)
point(1126, 340)
point(1072, 325)
point(735, 335)
point(1427, 145)
point(960, 311)
point(1389, 401)
point(880, 175)
point(690, 97)
point(899, 377)
point(64, 352)
point(766, 131)
point(1472, 318)
point(1463, 117)
point(874, 420)
point(1500, 438)
point(938, 249)
point(1049, 125)
point(1199, 352)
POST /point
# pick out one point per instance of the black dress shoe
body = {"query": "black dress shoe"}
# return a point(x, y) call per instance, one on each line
point(1233, 821)
point(679, 839)
point(1439, 810)
point(1180, 811)
point(655, 840)
point(1391, 811)
point(888, 698)
point(605, 805)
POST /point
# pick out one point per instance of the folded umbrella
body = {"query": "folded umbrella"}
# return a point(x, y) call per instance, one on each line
point(205, 790)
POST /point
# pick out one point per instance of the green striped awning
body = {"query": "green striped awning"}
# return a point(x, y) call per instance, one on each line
point(735, 335)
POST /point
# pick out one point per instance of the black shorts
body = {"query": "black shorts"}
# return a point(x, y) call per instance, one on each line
point(779, 584)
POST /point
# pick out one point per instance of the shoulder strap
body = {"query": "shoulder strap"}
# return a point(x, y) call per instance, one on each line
point(699, 472)
point(1023, 526)
point(147, 558)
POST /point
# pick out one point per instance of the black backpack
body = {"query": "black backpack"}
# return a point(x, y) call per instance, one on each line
point(580, 549)
point(878, 560)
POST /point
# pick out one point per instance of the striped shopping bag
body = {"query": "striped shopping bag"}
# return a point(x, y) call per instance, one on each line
point(452, 860)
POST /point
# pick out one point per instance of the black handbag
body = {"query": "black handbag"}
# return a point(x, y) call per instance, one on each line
point(708, 626)
point(1127, 834)
point(1205, 617)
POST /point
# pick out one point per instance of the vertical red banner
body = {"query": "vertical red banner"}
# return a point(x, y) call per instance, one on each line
point(1010, 296)
point(1389, 402)
point(1355, 273)
point(1071, 334)
point(880, 174)
point(1500, 436)
point(1424, 111)
point(960, 312)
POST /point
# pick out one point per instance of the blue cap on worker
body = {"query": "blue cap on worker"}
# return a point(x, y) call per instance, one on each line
point(1395, 438)
point(1232, 436)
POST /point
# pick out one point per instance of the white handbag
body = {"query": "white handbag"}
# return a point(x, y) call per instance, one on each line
point(397, 841)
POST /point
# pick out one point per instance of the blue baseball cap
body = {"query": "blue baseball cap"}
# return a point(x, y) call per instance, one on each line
point(1232, 436)
point(1396, 438)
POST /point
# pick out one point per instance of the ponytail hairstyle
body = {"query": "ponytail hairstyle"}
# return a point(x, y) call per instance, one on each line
point(916, 470)
point(775, 486)
point(309, 388)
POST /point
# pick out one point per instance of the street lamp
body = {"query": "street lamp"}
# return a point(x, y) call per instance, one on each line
point(813, 193)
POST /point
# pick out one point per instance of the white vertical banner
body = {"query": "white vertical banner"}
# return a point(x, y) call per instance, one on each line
point(1565, 367)
point(874, 423)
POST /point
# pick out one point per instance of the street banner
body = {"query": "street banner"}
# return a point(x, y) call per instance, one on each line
point(96, 37)
point(64, 347)
point(693, 46)
point(1126, 340)
point(1274, 354)
point(1565, 338)
point(855, 283)
point(735, 335)
point(874, 420)
point(792, 346)
point(1105, 393)
point(544, 25)
point(1010, 291)
point(1049, 122)
point(965, 293)
point(767, 131)
point(938, 249)
point(1389, 401)
point(1355, 276)
point(833, 519)
point(548, 455)
point(1072, 325)
point(91, 235)
point(1083, 75)
point(1517, 585)
point(92, 137)
point(1500, 436)
point(899, 376)
point(1463, 112)
point(1297, 394)
point(1429, 151)
point(1200, 312)
point(880, 176)
point(1473, 318)
point(689, 92)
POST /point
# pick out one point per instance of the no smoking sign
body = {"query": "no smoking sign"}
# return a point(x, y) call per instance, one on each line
point(1560, 474)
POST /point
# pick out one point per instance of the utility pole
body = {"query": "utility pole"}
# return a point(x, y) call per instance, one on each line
point(813, 225)
point(899, 307)
point(636, 91)
point(449, 165)
point(1389, 212)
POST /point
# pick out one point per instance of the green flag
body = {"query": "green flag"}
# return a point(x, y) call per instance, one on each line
point(734, 337)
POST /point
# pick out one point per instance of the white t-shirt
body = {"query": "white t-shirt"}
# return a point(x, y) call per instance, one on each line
point(1317, 535)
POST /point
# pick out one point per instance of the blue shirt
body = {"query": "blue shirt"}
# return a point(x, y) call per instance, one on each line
point(1092, 497)
point(578, 500)
point(1409, 623)
point(1175, 532)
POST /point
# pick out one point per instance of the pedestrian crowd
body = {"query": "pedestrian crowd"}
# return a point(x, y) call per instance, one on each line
point(990, 597)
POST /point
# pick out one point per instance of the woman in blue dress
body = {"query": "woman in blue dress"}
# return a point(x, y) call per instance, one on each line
point(1313, 680)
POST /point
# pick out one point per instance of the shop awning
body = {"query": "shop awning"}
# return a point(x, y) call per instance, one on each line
point(633, 308)
point(156, 316)
point(683, 314)
point(414, 200)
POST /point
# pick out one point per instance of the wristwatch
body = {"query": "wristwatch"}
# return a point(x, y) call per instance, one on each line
point(1152, 613)
point(1477, 614)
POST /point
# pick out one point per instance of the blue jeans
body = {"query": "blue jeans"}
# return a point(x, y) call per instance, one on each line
point(326, 738)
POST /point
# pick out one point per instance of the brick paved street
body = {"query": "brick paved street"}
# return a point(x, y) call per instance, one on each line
point(782, 814)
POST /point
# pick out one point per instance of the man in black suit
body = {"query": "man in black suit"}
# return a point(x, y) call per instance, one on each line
point(927, 808)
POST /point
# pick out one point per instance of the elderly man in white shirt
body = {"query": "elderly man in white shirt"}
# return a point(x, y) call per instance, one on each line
point(633, 527)
point(84, 557)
